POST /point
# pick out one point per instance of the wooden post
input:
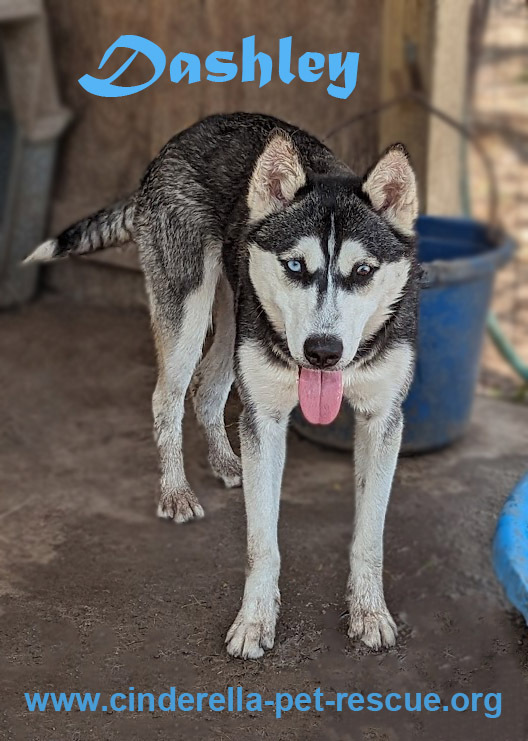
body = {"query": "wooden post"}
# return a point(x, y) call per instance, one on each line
point(448, 92)
point(424, 47)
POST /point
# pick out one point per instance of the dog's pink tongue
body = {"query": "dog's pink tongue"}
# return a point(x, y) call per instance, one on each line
point(320, 394)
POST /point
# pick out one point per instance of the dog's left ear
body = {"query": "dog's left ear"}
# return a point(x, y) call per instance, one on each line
point(391, 187)
point(277, 177)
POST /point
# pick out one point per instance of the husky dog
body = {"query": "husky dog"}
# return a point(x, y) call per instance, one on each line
point(313, 277)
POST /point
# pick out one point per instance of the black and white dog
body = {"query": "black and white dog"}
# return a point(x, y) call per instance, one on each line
point(313, 277)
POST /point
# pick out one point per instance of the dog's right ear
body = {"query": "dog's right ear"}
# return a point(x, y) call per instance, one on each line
point(276, 178)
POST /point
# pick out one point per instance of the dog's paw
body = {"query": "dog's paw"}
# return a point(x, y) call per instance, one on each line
point(375, 628)
point(180, 506)
point(227, 468)
point(253, 632)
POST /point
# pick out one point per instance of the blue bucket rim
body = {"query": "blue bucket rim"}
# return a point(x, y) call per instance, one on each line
point(464, 269)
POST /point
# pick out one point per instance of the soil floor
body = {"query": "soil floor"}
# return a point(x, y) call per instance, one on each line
point(98, 595)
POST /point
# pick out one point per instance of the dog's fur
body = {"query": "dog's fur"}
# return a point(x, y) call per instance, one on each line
point(218, 215)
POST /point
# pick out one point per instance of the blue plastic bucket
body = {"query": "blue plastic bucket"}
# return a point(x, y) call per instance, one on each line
point(459, 263)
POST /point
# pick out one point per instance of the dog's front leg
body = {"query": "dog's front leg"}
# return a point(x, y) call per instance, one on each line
point(263, 446)
point(377, 443)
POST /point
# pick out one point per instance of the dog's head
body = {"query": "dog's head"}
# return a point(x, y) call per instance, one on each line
point(329, 257)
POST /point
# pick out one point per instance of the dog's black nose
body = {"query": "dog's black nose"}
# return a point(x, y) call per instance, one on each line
point(323, 351)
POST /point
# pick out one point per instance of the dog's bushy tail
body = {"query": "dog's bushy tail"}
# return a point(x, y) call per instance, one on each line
point(108, 227)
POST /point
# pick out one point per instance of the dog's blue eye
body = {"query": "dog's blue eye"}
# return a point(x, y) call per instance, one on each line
point(295, 266)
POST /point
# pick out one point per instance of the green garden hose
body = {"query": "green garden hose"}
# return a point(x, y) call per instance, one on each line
point(501, 342)
point(505, 347)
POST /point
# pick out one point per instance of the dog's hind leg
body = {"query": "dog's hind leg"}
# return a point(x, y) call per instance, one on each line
point(211, 385)
point(179, 343)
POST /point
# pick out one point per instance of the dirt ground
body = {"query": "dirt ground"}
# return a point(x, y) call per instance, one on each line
point(99, 595)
